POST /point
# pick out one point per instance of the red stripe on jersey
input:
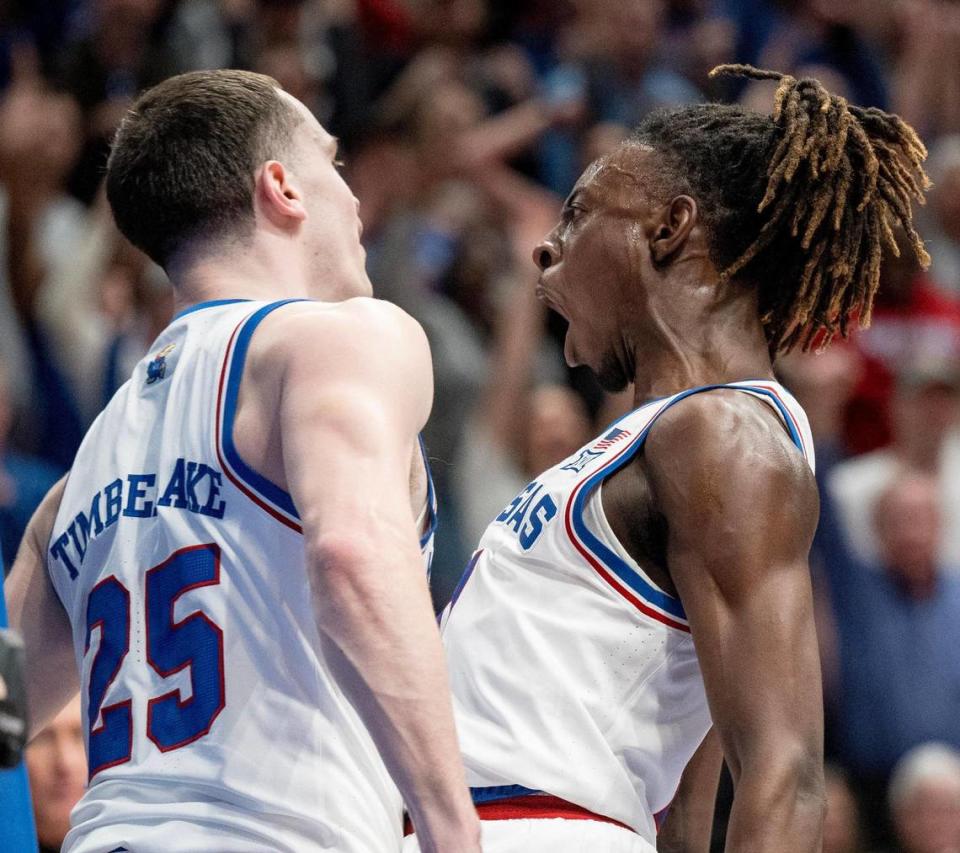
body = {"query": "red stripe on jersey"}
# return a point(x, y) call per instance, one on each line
point(599, 568)
point(793, 420)
point(532, 807)
point(234, 479)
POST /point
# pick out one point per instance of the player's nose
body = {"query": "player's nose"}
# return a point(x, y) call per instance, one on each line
point(546, 254)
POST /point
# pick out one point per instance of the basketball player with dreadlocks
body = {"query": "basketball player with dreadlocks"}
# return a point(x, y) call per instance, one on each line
point(655, 585)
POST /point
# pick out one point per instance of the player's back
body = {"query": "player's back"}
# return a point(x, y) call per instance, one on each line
point(212, 720)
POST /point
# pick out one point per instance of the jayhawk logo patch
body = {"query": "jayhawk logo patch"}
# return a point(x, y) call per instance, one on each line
point(157, 367)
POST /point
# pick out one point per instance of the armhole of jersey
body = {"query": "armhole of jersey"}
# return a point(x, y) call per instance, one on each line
point(636, 588)
point(431, 498)
point(264, 493)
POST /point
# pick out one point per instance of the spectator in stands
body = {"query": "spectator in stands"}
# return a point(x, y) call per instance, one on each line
point(926, 427)
point(942, 215)
point(898, 629)
point(105, 69)
point(612, 59)
point(24, 480)
point(924, 799)
point(823, 382)
point(57, 766)
point(927, 68)
point(825, 35)
point(41, 229)
point(914, 323)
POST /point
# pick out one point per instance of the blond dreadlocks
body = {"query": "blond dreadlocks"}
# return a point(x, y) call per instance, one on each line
point(801, 203)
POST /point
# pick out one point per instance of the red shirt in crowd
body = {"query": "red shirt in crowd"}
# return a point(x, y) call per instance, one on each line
point(920, 328)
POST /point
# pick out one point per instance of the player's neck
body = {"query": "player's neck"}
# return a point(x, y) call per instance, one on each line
point(233, 274)
point(714, 348)
point(258, 273)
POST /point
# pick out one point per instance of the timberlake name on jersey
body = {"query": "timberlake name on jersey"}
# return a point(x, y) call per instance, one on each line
point(193, 486)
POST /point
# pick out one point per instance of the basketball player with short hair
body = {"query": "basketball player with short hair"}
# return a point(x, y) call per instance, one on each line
point(655, 583)
point(235, 563)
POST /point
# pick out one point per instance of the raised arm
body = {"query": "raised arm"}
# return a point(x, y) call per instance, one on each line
point(355, 388)
point(741, 507)
point(36, 613)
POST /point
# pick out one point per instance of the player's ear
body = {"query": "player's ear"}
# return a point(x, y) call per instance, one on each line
point(277, 195)
point(673, 227)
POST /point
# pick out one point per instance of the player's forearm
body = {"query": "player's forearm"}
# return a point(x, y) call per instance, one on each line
point(51, 668)
point(778, 807)
point(372, 601)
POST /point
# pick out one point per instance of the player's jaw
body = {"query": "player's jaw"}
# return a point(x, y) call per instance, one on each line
point(330, 234)
point(587, 341)
point(335, 233)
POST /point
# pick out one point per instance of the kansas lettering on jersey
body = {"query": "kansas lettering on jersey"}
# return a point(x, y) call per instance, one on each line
point(212, 720)
point(573, 674)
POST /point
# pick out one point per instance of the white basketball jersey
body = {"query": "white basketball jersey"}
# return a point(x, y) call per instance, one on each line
point(212, 719)
point(572, 673)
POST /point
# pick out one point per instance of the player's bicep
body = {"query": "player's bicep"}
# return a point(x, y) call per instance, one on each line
point(345, 455)
point(348, 438)
point(741, 512)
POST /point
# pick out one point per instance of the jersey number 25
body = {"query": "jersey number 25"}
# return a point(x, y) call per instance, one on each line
point(194, 642)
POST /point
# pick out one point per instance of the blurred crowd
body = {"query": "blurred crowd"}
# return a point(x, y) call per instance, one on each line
point(463, 123)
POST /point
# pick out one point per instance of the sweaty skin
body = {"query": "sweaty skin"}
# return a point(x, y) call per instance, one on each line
point(719, 508)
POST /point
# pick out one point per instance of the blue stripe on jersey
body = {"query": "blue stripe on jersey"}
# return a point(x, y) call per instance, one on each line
point(431, 498)
point(667, 603)
point(499, 792)
point(792, 428)
point(261, 484)
point(612, 560)
point(212, 303)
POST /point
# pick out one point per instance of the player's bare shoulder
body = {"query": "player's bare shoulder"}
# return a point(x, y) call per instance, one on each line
point(361, 337)
point(327, 328)
point(726, 456)
point(724, 420)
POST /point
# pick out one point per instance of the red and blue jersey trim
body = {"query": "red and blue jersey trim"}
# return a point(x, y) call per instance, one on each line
point(793, 428)
point(635, 588)
point(431, 499)
point(514, 802)
point(265, 494)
